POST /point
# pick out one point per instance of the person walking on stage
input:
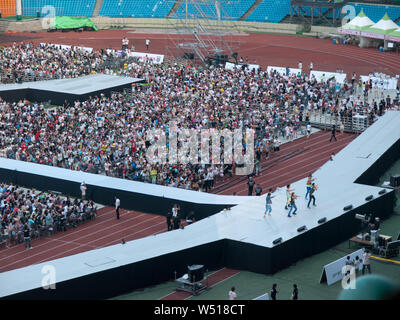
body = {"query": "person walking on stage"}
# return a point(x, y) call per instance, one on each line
point(314, 187)
point(293, 198)
point(310, 180)
point(117, 205)
point(268, 204)
point(288, 191)
point(333, 133)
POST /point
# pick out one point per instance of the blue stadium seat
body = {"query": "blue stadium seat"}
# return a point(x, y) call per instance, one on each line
point(77, 8)
point(229, 10)
point(136, 8)
point(270, 11)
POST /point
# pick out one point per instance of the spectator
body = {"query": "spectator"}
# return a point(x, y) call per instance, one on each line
point(232, 294)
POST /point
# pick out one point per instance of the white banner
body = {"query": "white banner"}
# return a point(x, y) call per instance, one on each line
point(372, 35)
point(349, 31)
point(282, 70)
point(142, 56)
point(66, 47)
point(333, 271)
point(148, 57)
point(324, 76)
point(232, 66)
point(385, 83)
point(391, 38)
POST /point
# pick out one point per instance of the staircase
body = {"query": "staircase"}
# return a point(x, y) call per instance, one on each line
point(251, 9)
point(97, 8)
point(175, 8)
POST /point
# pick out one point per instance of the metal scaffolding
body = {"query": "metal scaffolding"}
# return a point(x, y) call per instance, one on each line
point(203, 30)
point(311, 11)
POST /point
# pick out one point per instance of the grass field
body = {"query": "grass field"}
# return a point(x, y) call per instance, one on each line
point(305, 273)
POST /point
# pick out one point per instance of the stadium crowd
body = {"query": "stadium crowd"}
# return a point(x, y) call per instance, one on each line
point(28, 62)
point(39, 212)
point(108, 135)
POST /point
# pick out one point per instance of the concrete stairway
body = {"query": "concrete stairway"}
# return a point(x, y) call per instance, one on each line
point(251, 9)
point(97, 8)
point(175, 8)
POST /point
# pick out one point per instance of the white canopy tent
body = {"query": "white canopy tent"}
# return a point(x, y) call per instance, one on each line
point(355, 26)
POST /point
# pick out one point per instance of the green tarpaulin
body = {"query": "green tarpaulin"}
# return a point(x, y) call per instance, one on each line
point(73, 23)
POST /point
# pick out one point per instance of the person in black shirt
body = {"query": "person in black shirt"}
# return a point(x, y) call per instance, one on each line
point(295, 294)
point(274, 291)
point(258, 190)
point(312, 197)
point(27, 237)
point(251, 186)
point(169, 223)
point(333, 133)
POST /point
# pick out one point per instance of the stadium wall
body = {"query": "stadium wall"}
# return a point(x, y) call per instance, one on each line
point(141, 23)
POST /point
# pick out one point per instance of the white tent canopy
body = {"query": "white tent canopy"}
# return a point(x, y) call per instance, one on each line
point(380, 29)
point(355, 26)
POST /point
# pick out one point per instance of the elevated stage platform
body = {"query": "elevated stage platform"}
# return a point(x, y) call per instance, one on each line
point(238, 238)
point(59, 91)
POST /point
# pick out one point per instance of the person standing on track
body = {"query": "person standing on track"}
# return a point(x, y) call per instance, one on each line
point(333, 133)
point(117, 205)
point(250, 183)
point(147, 44)
point(83, 190)
point(308, 130)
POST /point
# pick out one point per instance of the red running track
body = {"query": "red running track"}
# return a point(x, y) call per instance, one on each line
point(295, 161)
point(265, 49)
point(104, 231)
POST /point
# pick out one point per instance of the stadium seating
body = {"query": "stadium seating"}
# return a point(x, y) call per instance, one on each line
point(77, 8)
point(229, 10)
point(270, 11)
point(136, 8)
point(7, 8)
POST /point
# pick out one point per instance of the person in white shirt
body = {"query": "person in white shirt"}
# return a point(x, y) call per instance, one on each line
point(366, 261)
point(147, 44)
point(232, 294)
point(117, 205)
point(83, 190)
point(311, 66)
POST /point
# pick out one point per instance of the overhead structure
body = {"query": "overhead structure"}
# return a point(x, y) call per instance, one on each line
point(203, 30)
point(313, 12)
